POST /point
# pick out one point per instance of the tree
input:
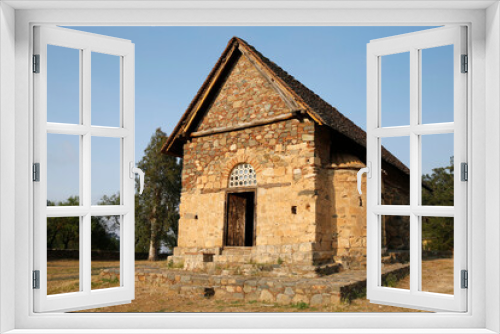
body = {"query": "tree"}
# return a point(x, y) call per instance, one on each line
point(437, 232)
point(63, 232)
point(157, 209)
point(106, 229)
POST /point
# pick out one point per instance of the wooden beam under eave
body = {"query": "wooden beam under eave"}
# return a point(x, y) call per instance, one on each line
point(207, 91)
point(242, 126)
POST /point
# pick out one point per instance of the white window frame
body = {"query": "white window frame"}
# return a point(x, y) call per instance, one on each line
point(483, 21)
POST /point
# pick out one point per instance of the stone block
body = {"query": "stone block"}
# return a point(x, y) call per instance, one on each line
point(317, 300)
point(300, 298)
point(266, 296)
point(283, 299)
point(335, 298)
point(238, 295)
point(252, 296)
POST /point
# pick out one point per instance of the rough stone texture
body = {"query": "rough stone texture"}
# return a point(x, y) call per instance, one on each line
point(282, 155)
point(245, 96)
point(283, 290)
point(308, 210)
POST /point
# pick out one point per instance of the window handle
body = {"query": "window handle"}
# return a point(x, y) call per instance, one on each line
point(134, 170)
point(368, 171)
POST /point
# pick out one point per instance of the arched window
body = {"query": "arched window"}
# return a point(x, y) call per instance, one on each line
point(242, 175)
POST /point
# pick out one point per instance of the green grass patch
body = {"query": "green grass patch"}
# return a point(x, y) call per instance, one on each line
point(172, 265)
point(300, 305)
point(390, 280)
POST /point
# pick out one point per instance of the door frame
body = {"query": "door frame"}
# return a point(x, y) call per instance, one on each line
point(237, 190)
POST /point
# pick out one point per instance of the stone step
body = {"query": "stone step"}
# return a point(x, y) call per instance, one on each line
point(238, 251)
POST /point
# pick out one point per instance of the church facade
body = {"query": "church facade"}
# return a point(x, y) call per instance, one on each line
point(269, 172)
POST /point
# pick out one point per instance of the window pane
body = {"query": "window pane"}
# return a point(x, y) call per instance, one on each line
point(105, 171)
point(63, 85)
point(395, 251)
point(63, 170)
point(395, 89)
point(437, 170)
point(437, 84)
point(105, 90)
point(105, 252)
point(395, 173)
point(437, 254)
point(63, 255)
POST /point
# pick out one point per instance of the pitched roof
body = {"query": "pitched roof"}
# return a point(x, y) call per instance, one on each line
point(319, 110)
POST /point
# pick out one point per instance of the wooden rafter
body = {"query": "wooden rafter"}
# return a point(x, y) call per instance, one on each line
point(202, 100)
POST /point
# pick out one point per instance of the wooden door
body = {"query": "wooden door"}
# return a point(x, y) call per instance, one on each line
point(236, 213)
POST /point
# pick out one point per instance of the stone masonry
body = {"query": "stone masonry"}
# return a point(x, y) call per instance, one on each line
point(308, 212)
point(281, 290)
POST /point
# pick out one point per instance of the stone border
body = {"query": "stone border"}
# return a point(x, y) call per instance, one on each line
point(332, 289)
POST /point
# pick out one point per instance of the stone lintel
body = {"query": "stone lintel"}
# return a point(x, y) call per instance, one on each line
point(263, 186)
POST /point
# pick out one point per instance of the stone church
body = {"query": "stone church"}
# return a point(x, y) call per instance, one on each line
point(269, 172)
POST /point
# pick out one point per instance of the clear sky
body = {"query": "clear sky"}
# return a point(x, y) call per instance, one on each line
point(173, 62)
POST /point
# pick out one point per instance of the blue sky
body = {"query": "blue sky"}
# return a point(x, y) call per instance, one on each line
point(173, 62)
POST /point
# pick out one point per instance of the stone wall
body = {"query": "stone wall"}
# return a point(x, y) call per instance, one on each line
point(341, 216)
point(245, 96)
point(341, 213)
point(285, 178)
point(281, 290)
point(308, 210)
point(282, 155)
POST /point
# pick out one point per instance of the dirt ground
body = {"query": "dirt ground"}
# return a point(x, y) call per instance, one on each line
point(63, 277)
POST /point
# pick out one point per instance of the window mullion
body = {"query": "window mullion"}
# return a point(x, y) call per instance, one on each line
point(414, 168)
point(86, 165)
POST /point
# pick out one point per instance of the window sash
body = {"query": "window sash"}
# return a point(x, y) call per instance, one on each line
point(413, 43)
point(86, 297)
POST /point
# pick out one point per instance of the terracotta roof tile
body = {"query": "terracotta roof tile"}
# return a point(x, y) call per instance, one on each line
point(328, 114)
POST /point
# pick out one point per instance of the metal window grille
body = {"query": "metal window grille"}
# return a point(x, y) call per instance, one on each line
point(242, 175)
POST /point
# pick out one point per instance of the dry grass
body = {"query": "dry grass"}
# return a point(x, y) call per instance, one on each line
point(437, 276)
point(63, 277)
